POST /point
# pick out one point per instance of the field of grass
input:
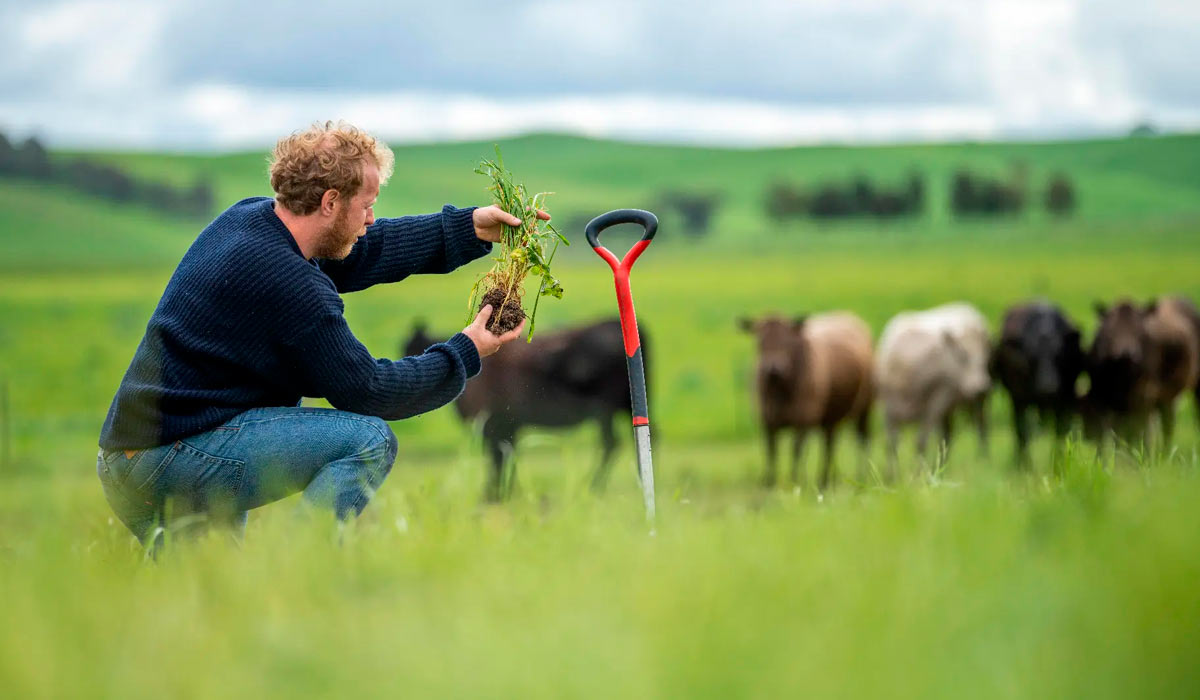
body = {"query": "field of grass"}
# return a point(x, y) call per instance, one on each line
point(1076, 579)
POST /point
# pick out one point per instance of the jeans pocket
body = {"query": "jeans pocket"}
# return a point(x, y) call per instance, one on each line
point(206, 480)
point(141, 472)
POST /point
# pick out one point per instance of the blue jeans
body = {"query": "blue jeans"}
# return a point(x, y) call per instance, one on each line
point(336, 458)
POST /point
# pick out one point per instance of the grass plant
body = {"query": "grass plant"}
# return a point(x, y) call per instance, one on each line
point(522, 252)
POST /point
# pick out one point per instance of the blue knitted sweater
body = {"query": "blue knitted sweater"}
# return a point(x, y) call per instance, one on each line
point(246, 321)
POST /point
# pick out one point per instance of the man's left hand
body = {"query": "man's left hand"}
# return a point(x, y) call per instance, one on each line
point(487, 222)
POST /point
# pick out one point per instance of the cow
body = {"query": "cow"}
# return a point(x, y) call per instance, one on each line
point(1038, 360)
point(930, 363)
point(559, 379)
point(812, 373)
point(1141, 360)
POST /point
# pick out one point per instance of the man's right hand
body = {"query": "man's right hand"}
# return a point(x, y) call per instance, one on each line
point(487, 342)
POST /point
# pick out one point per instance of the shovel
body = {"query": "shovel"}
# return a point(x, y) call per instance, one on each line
point(629, 332)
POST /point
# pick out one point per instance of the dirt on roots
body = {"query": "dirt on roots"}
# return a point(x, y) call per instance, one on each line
point(503, 319)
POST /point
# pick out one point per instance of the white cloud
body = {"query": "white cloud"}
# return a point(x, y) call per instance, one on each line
point(183, 74)
point(95, 45)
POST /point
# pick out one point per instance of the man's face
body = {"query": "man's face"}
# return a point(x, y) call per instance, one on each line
point(352, 217)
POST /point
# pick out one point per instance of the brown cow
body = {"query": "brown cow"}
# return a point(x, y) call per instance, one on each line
point(1141, 360)
point(813, 372)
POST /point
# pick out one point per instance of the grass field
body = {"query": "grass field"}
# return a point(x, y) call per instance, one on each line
point(1076, 579)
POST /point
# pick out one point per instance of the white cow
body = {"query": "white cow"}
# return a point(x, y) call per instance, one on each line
point(929, 363)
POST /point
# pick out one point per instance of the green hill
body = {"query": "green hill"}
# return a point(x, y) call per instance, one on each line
point(1119, 182)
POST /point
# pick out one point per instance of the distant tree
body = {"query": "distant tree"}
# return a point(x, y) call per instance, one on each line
point(33, 161)
point(161, 197)
point(200, 199)
point(862, 196)
point(696, 208)
point(972, 194)
point(916, 192)
point(831, 201)
point(1060, 195)
point(8, 156)
point(963, 196)
point(1144, 129)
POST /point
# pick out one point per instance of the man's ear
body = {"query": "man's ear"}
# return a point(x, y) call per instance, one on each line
point(329, 202)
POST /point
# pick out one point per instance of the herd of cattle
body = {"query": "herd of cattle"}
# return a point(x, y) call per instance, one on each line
point(822, 371)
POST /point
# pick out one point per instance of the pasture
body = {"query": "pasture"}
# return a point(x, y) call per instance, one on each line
point(1077, 578)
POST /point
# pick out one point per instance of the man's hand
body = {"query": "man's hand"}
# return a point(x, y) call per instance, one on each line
point(487, 222)
point(487, 342)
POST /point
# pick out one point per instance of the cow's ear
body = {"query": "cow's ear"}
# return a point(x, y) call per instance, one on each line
point(1100, 308)
point(746, 324)
point(798, 322)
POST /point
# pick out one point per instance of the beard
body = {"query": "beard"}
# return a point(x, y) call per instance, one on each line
point(338, 240)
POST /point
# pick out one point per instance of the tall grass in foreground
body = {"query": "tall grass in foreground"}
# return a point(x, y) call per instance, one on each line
point(979, 583)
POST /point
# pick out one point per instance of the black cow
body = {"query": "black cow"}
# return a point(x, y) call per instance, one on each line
point(560, 379)
point(1038, 360)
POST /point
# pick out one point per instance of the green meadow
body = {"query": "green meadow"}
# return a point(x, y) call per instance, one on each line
point(1077, 578)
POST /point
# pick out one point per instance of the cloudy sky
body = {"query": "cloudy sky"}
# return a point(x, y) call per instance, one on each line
point(217, 74)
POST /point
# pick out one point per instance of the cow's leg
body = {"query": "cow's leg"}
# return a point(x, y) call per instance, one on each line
point(1062, 421)
point(947, 428)
point(938, 412)
point(827, 475)
point(608, 444)
point(1021, 428)
point(798, 478)
point(892, 426)
point(499, 436)
point(770, 434)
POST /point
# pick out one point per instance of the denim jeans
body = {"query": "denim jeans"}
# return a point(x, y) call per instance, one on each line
point(336, 458)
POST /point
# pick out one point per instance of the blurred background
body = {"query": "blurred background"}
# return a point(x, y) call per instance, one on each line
point(861, 155)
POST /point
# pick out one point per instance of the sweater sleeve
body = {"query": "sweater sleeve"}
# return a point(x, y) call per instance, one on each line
point(393, 249)
point(329, 362)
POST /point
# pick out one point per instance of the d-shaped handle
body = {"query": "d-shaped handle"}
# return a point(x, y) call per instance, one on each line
point(648, 221)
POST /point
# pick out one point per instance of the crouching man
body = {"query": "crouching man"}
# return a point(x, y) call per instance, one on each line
point(207, 423)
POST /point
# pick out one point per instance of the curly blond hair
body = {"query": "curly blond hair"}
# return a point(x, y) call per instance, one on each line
point(327, 156)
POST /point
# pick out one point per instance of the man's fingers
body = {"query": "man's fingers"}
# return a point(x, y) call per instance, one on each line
point(514, 333)
point(484, 314)
point(512, 220)
point(543, 215)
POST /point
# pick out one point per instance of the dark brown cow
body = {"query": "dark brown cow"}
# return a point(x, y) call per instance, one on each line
point(812, 373)
point(1038, 360)
point(560, 379)
point(1141, 360)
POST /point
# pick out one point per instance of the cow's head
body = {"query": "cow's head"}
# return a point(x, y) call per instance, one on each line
point(1121, 340)
point(779, 351)
point(970, 351)
point(1047, 350)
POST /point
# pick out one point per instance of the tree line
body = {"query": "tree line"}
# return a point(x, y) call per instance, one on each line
point(30, 160)
point(972, 195)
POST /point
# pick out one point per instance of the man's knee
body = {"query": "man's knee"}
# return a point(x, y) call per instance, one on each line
point(382, 444)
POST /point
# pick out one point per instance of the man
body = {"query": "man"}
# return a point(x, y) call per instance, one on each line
point(207, 423)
